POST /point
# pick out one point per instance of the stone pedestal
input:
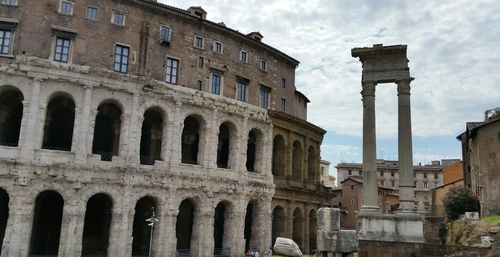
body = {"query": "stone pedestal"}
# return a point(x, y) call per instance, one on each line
point(331, 241)
point(391, 228)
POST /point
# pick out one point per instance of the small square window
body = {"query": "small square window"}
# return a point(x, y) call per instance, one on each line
point(216, 84)
point(61, 52)
point(66, 7)
point(165, 33)
point(263, 64)
point(218, 47)
point(172, 70)
point(241, 90)
point(92, 13)
point(9, 2)
point(118, 18)
point(5, 41)
point(121, 58)
point(198, 42)
point(283, 105)
point(243, 56)
point(264, 96)
point(199, 85)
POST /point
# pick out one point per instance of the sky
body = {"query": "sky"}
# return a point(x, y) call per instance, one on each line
point(453, 48)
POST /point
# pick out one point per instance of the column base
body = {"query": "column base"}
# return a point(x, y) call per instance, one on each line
point(406, 227)
point(369, 209)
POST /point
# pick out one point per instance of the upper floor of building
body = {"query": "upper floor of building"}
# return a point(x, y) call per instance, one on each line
point(148, 39)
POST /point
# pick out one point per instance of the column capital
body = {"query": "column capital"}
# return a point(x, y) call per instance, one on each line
point(368, 88)
point(404, 86)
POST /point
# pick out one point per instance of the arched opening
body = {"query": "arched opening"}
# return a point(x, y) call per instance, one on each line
point(141, 233)
point(184, 228)
point(298, 227)
point(46, 229)
point(11, 113)
point(278, 223)
point(312, 232)
point(249, 222)
point(107, 131)
point(59, 122)
point(4, 215)
point(151, 136)
point(219, 220)
point(254, 150)
point(297, 160)
point(190, 140)
point(225, 145)
point(311, 164)
point(279, 151)
point(96, 227)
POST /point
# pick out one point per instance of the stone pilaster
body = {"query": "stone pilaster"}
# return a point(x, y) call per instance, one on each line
point(70, 244)
point(370, 193)
point(133, 139)
point(82, 146)
point(32, 137)
point(16, 241)
point(175, 135)
point(405, 152)
point(234, 225)
point(202, 241)
point(120, 236)
point(243, 146)
point(209, 142)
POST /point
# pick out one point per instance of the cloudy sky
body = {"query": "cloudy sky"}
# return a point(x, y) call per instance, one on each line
point(453, 48)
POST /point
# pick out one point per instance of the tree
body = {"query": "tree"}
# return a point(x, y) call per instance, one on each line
point(458, 201)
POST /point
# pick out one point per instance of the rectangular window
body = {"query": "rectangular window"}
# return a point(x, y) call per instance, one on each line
point(165, 33)
point(381, 173)
point(172, 70)
point(264, 97)
point(199, 85)
point(436, 176)
point(382, 182)
point(216, 84)
point(118, 18)
point(425, 175)
point(243, 56)
point(393, 183)
point(352, 187)
point(392, 173)
point(283, 105)
point(352, 202)
point(9, 2)
point(121, 58)
point(349, 172)
point(218, 47)
point(198, 42)
point(263, 64)
point(283, 83)
point(425, 184)
point(5, 41)
point(201, 60)
point(61, 52)
point(92, 13)
point(66, 7)
point(241, 91)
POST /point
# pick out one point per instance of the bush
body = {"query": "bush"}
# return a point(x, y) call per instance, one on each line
point(458, 201)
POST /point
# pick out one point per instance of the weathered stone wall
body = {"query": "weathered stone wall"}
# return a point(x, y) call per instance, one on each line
point(396, 249)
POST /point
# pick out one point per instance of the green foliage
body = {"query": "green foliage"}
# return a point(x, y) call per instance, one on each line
point(492, 219)
point(443, 233)
point(458, 201)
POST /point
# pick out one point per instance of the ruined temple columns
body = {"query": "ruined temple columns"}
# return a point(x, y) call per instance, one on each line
point(405, 148)
point(370, 193)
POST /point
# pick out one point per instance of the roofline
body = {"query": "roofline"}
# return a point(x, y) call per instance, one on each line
point(298, 120)
point(449, 183)
point(221, 27)
point(301, 94)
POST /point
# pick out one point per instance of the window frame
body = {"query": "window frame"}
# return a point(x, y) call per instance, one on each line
point(199, 85)
point(241, 56)
point(169, 36)
point(96, 12)
point(114, 13)
point(69, 47)
point(220, 84)
point(265, 91)
point(121, 59)
point(201, 62)
point(215, 48)
point(202, 42)
point(60, 9)
point(263, 64)
point(11, 42)
point(239, 84)
point(283, 104)
point(169, 77)
point(6, 3)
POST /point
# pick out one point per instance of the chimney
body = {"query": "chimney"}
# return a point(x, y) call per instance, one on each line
point(198, 12)
point(255, 35)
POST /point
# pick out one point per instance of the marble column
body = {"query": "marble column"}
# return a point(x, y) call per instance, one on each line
point(370, 194)
point(405, 148)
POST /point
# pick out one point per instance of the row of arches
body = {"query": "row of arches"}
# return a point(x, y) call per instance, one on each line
point(48, 217)
point(60, 119)
point(280, 227)
point(279, 164)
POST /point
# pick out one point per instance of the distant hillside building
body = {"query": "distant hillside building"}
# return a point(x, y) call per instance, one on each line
point(481, 155)
point(325, 178)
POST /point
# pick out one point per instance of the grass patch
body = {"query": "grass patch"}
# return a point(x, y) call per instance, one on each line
point(492, 219)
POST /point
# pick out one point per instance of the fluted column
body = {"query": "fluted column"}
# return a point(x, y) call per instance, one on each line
point(405, 148)
point(369, 150)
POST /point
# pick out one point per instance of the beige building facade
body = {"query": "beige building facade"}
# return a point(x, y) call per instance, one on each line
point(114, 112)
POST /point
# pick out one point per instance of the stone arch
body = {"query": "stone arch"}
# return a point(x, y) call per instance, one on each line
point(59, 122)
point(279, 153)
point(47, 219)
point(278, 223)
point(297, 160)
point(107, 130)
point(226, 145)
point(141, 232)
point(312, 160)
point(184, 227)
point(313, 226)
point(192, 139)
point(97, 224)
point(4, 215)
point(151, 135)
point(255, 150)
point(11, 114)
point(298, 227)
point(222, 227)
